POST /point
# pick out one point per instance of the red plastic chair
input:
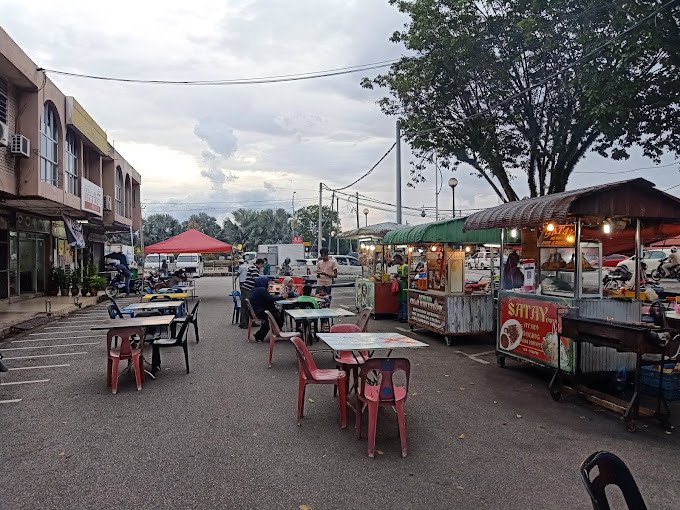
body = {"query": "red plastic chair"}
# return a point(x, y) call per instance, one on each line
point(374, 396)
point(275, 334)
point(363, 318)
point(345, 360)
point(252, 318)
point(125, 352)
point(309, 374)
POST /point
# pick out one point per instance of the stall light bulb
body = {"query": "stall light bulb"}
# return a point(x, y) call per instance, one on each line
point(513, 233)
point(570, 239)
point(467, 249)
point(550, 227)
point(373, 247)
point(434, 248)
point(607, 228)
point(420, 250)
point(363, 246)
point(410, 249)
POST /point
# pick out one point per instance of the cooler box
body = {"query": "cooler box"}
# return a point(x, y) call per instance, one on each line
point(670, 385)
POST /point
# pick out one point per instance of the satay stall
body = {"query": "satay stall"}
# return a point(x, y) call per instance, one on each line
point(373, 288)
point(564, 236)
point(440, 299)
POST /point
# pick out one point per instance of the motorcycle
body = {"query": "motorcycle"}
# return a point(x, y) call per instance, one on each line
point(117, 284)
point(660, 272)
point(178, 276)
point(617, 278)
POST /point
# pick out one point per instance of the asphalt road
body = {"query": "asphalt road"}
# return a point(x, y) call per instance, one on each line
point(226, 436)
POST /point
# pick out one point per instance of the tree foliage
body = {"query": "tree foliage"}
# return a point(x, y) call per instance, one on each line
point(307, 223)
point(474, 60)
point(204, 223)
point(251, 228)
point(159, 227)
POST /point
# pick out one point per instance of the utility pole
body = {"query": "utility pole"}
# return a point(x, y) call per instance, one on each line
point(358, 226)
point(318, 250)
point(398, 174)
point(436, 194)
point(141, 240)
point(293, 214)
point(337, 246)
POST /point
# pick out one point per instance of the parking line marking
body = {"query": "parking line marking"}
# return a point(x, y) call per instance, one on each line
point(48, 355)
point(472, 357)
point(46, 339)
point(51, 333)
point(64, 327)
point(10, 401)
point(405, 330)
point(484, 353)
point(81, 320)
point(345, 307)
point(41, 366)
point(49, 346)
point(24, 382)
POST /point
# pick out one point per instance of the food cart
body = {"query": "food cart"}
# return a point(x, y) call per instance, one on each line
point(440, 298)
point(373, 289)
point(566, 234)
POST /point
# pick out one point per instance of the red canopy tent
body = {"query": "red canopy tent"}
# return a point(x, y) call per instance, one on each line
point(191, 241)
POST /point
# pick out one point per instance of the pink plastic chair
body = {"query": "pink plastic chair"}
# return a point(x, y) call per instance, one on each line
point(252, 318)
point(275, 334)
point(374, 396)
point(309, 374)
point(125, 352)
point(345, 360)
point(363, 318)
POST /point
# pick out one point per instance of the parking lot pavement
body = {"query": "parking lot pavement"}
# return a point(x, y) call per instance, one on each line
point(225, 435)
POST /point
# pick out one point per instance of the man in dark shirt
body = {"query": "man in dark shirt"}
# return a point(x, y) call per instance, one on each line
point(246, 289)
point(262, 301)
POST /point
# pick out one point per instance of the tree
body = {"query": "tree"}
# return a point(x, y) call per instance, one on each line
point(159, 227)
point(307, 223)
point(475, 60)
point(252, 228)
point(203, 223)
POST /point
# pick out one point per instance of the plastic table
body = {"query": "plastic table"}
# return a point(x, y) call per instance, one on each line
point(357, 342)
point(157, 305)
point(312, 314)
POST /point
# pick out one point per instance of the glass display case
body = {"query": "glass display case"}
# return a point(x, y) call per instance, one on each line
point(556, 270)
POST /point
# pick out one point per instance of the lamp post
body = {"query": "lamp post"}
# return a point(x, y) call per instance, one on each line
point(366, 215)
point(453, 182)
point(292, 221)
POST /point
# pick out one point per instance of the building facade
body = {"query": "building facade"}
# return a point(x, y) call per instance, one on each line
point(62, 185)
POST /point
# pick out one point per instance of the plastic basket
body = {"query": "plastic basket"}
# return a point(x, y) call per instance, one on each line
point(670, 385)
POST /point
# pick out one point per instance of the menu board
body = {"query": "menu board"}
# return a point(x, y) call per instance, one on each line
point(427, 311)
point(529, 328)
point(436, 275)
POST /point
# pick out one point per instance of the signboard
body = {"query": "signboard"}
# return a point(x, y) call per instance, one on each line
point(74, 232)
point(92, 197)
point(436, 274)
point(365, 293)
point(297, 240)
point(77, 117)
point(562, 236)
point(528, 329)
point(427, 311)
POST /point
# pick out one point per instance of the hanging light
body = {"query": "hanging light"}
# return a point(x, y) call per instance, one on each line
point(513, 233)
point(433, 248)
point(410, 249)
point(607, 228)
point(550, 227)
point(570, 239)
point(467, 249)
point(372, 247)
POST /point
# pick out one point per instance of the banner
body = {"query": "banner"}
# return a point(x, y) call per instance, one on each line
point(427, 311)
point(74, 232)
point(91, 197)
point(365, 293)
point(529, 329)
point(297, 240)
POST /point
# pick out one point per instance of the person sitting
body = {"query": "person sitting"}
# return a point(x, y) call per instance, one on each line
point(262, 301)
point(513, 278)
point(307, 296)
point(124, 274)
point(288, 289)
point(671, 262)
point(322, 292)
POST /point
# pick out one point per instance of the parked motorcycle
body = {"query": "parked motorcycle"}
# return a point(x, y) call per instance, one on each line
point(617, 278)
point(117, 284)
point(166, 283)
point(660, 272)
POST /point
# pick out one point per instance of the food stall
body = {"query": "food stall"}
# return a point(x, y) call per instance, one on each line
point(564, 233)
point(440, 298)
point(373, 289)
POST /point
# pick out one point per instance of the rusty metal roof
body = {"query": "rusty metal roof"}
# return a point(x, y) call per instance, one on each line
point(634, 198)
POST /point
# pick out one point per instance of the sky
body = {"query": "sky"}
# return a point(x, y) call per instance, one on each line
point(218, 148)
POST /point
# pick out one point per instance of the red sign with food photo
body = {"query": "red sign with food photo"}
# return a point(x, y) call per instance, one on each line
point(529, 329)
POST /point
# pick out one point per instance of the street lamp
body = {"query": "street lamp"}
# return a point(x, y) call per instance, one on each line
point(453, 182)
point(337, 246)
point(366, 214)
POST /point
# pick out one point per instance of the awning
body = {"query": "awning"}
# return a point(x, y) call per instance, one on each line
point(447, 231)
point(191, 241)
point(377, 230)
point(635, 198)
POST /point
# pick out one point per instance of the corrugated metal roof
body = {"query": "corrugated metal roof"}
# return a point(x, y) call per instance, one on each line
point(611, 199)
point(448, 231)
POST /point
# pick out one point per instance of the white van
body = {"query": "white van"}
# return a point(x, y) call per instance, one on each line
point(481, 260)
point(192, 263)
point(154, 261)
point(349, 268)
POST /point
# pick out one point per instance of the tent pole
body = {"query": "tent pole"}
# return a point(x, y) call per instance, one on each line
point(638, 258)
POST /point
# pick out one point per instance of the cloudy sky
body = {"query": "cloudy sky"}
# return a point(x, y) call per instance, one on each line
point(218, 148)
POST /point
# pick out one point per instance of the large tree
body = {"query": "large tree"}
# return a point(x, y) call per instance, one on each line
point(251, 228)
point(204, 223)
point(307, 223)
point(159, 227)
point(475, 60)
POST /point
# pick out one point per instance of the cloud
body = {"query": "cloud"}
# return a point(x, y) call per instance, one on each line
point(218, 135)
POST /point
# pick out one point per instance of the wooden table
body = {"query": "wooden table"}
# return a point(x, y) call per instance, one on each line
point(155, 305)
point(171, 295)
point(357, 342)
point(312, 314)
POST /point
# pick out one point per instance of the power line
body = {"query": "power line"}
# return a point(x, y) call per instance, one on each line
point(234, 81)
point(368, 172)
point(627, 171)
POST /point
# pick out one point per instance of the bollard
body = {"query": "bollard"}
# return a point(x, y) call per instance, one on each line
point(48, 307)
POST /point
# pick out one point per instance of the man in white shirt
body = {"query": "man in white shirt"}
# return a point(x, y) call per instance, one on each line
point(242, 271)
point(326, 270)
point(672, 261)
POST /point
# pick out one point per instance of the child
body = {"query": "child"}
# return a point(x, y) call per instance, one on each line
point(307, 296)
point(322, 292)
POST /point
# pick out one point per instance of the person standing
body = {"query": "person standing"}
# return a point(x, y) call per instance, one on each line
point(242, 272)
point(267, 267)
point(247, 288)
point(326, 270)
point(402, 296)
point(125, 274)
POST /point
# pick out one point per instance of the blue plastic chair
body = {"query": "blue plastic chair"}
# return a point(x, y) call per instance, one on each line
point(117, 311)
point(236, 295)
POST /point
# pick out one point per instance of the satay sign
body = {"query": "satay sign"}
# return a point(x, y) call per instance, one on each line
point(562, 236)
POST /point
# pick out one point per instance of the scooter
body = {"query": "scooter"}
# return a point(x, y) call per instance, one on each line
point(117, 285)
point(660, 272)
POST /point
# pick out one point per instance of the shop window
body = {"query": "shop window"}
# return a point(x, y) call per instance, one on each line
point(71, 162)
point(3, 101)
point(49, 154)
point(119, 191)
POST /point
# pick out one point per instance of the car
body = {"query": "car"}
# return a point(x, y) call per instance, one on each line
point(650, 257)
point(613, 260)
point(349, 268)
point(191, 262)
point(481, 260)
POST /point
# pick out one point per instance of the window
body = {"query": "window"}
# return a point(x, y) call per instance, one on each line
point(119, 191)
point(354, 262)
point(71, 162)
point(49, 154)
point(342, 261)
point(3, 101)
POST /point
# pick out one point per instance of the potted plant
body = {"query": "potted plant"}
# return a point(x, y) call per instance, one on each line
point(63, 281)
point(85, 284)
point(97, 283)
point(75, 281)
point(53, 289)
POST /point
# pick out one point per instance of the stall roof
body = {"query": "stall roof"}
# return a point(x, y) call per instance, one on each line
point(634, 198)
point(191, 241)
point(447, 231)
point(377, 230)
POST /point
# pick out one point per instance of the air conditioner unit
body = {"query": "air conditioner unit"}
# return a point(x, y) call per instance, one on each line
point(20, 147)
point(108, 203)
point(4, 135)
